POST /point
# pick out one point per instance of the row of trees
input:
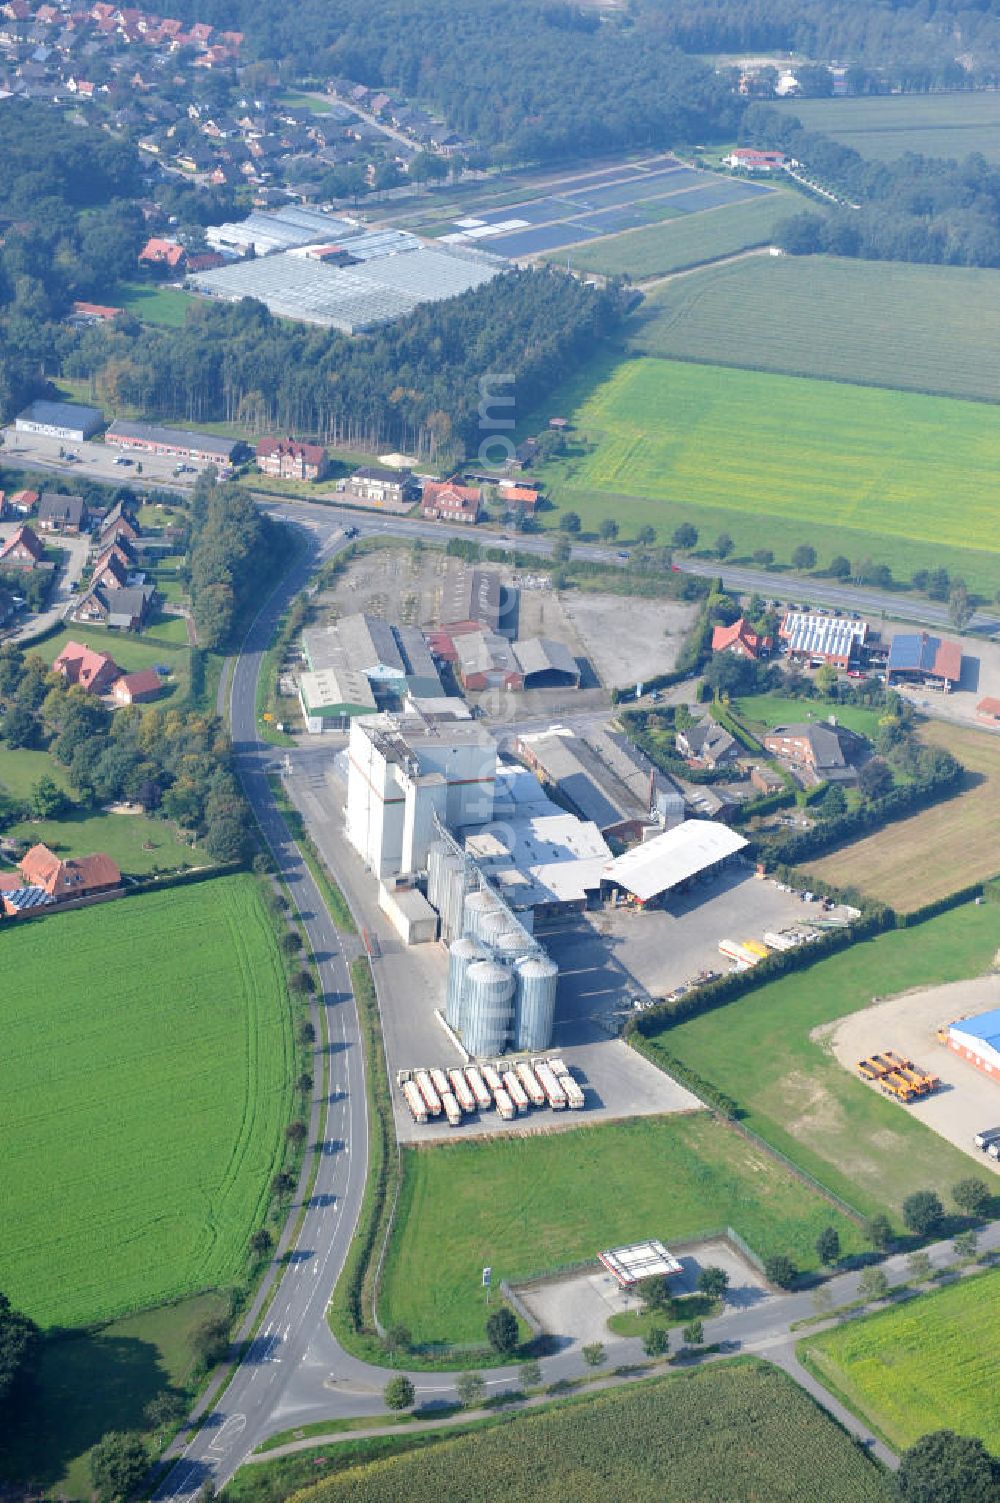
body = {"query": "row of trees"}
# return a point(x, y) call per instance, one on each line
point(232, 550)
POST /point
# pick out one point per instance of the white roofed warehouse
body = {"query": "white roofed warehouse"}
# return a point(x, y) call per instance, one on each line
point(646, 875)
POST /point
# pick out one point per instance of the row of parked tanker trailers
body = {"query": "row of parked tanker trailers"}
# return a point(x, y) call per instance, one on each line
point(512, 1090)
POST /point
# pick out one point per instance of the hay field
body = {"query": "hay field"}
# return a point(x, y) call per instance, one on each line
point(919, 328)
point(938, 851)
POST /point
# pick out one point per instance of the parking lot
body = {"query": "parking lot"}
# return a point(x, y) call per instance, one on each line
point(668, 947)
point(93, 462)
point(968, 1101)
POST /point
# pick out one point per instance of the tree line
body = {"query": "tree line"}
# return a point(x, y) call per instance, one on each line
point(413, 385)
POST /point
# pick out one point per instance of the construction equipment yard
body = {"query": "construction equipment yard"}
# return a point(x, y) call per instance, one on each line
point(966, 1100)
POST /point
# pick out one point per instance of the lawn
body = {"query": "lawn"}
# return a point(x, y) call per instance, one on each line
point(97, 1381)
point(685, 241)
point(308, 102)
point(138, 844)
point(20, 770)
point(530, 1204)
point(935, 125)
point(777, 461)
point(881, 323)
point(160, 643)
point(145, 1077)
point(759, 1051)
point(929, 1364)
point(940, 850)
point(726, 1434)
point(153, 304)
point(765, 711)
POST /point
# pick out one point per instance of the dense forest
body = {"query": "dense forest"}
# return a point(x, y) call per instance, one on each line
point(914, 209)
point(233, 549)
point(412, 385)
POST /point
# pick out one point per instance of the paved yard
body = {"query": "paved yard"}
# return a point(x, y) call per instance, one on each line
point(627, 638)
point(968, 1100)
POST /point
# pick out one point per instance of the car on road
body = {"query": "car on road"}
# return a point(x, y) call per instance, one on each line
point(352, 532)
point(623, 556)
point(71, 458)
point(123, 459)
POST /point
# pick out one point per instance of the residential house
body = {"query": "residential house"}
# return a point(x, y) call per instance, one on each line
point(817, 751)
point(525, 497)
point(46, 880)
point(136, 688)
point(381, 485)
point(445, 501)
point(110, 573)
point(128, 609)
point(162, 253)
point(79, 664)
point(22, 549)
point(23, 503)
point(57, 513)
point(741, 640)
point(708, 745)
point(289, 459)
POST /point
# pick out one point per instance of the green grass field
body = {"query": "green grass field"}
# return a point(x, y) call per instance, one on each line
point(160, 643)
point(935, 125)
point(685, 241)
point(145, 1077)
point(525, 1205)
point(776, 461)
point(21, 769)
point(728, 1434)
point(97, 1381)
point(795, 1094)
point(138, 844)
point(929, 1364)
point(765, 711)
point(919, 328)
point(153, 304)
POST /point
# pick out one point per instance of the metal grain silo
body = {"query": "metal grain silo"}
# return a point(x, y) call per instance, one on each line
point(435, 865)
point(487, 1007)
point(463, 953)
point(534, 1002)
point(512, 943)
point(481, 911)
point(453, 884)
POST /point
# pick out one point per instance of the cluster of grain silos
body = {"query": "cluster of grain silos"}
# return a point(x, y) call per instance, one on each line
point(501, 985)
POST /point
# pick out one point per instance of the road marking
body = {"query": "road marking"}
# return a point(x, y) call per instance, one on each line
point(229, 1434)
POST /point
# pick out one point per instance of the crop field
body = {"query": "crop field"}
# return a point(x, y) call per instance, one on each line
point(930, 1364)
point(681, 242)
point(738, 1432)
point(548, 1204)
point(145, 1077)
point(882, 129)
point(940, 850)
point(778, 459)
point(919, 328)
point(758, 1050)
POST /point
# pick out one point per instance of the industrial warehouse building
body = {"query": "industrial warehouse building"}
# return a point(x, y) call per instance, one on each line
point(177, 443)
point(917, 657)
point(671, 861)
point(357, 662)
point(978, 1041)
point(403, 772)
point(604, 779)
point(63, 420)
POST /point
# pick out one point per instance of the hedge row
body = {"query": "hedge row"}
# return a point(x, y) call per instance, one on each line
point(702, 1088)
point(737, 730)
point(782, 798)
point(943, 905)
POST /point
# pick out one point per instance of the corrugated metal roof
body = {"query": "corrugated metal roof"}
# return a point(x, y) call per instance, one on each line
point(985, 1029)
point(671, 858)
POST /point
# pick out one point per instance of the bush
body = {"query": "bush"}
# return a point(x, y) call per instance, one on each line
point(594, 1354)
point(399, 1392)
point(923, 1213)
point(779, 1269)
point(501, 1330)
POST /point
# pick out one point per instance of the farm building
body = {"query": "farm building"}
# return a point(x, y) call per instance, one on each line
point(978, 1041)
point(60, 420)
point(834, 640)
point(741, 640)
point(917, 657)
point(177, 443)
point(989, 710)
point(750, 160)
point(547, 664)
point(474, 598)
point(485, 660)
point(671, 861)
